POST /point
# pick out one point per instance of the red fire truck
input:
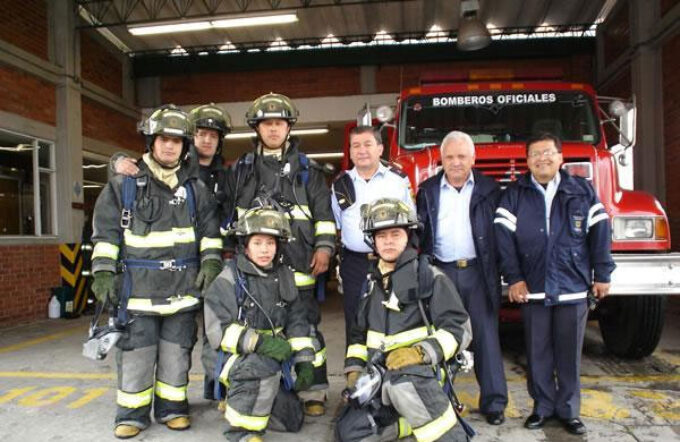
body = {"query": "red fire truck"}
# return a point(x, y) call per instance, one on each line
point(500, 110)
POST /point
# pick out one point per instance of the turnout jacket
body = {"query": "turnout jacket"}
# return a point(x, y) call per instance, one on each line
point(558, 266)
point(483, 203)
point(161, 230)
point(381, 328)
point(231, 325)
point(308, 206)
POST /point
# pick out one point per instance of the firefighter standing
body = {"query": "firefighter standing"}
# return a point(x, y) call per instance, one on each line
point(278, 172)
point(209, 125)
point(401, 289)
point(161, 229)
point(554, 241)
point(254, 315)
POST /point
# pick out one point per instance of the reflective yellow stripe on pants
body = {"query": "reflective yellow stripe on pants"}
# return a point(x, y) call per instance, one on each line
point(304, 279)
point(358, 351)
point(252, 423)
point(319, 357)
point(170, 392)
point(224, 374)
point(436, 428)
point(134, 400)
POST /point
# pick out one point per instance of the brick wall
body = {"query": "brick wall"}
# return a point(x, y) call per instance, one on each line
point(24, 24)
point(246, 86)
point(100, 66)
point(671, 117)
point(107, 125)
point(26, 275)
point(26, 95)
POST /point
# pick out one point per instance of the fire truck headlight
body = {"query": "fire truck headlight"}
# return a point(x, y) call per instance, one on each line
point(633, 228)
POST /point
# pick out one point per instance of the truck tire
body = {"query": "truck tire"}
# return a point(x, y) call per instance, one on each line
point(631, 325)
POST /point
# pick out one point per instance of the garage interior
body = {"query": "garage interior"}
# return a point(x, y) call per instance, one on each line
point(78, 76)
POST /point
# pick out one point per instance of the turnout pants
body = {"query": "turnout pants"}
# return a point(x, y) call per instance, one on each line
point(252, 384)
point(422, 407)
point(554, 340)
point(153, 361)
point(485, 344)
point(318, 389)
point(353, 271)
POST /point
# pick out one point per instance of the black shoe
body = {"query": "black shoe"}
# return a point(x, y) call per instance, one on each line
point(495, 417)
point(535, 421)
point(574, 426)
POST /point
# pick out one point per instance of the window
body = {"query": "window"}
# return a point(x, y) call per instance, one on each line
point(27, 186)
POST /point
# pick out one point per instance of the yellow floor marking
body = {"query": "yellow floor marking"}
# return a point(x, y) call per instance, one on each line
point(470, 400)
point(42, 339)
point(660, 404)
point(668, 357)
point(90, 395)
point(600, 405)
point(13, 393)
point(46, 396)
point(511, 410)
point(75, 376)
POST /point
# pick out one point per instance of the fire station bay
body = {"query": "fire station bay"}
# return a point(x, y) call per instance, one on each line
point(201, 202)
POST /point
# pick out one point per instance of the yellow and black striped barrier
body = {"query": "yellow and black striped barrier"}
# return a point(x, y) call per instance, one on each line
point(72, 275)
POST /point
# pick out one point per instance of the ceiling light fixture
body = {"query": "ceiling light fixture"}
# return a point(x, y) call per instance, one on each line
point(306, 131)
point(224, 22)
point(472, 33)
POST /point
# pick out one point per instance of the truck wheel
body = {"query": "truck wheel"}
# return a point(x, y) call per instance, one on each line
point(631, 325)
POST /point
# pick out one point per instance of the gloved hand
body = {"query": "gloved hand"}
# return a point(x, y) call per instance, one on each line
point(305, 375)
point(352, 377)
point(210, 268)
point(103, 287)
point(403, 357)
point(276, 348)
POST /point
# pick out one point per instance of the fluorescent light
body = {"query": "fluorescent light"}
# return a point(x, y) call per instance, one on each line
point(257, 20)
point(251, 134)
point(169, 28)
point(325, 155)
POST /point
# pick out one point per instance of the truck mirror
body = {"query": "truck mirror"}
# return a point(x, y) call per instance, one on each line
point(384, 114)
point(627, 127)
point(364, 117)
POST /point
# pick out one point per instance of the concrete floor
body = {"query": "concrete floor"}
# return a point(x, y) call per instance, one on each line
point(49, 392)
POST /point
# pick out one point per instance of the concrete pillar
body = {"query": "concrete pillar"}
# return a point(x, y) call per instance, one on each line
point(69, 155)
point(647, 86)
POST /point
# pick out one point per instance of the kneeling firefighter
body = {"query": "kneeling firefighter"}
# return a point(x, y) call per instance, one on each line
point(160, 230)
point(255, 318)
point(410, 321)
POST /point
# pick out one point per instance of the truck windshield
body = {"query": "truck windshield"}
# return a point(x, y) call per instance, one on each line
point(497, 117)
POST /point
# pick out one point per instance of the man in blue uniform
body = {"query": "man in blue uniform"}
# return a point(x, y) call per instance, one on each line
point(457, 208)
point(367, 181)
point(554, 240)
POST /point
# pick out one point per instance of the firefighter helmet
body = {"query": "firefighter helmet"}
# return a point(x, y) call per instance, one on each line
point(264, 221)
point(386, 213)
point(168, 120)
point(271, 106)
point(209, 116)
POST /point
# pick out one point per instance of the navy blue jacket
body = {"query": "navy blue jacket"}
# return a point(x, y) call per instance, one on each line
point(558, 268)
point(483, 202)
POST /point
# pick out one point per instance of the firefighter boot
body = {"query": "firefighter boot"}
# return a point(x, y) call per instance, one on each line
point(124, 431)
point(179, 423)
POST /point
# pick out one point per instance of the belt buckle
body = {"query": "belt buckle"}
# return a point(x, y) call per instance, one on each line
point(169, 265)
point(462, 263)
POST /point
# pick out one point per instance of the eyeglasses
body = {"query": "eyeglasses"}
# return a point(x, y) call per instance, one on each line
point(544, 154)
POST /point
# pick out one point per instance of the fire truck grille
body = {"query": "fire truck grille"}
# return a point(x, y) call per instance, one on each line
point(503, 170)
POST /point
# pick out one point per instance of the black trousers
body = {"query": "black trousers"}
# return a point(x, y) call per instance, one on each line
point(353, 271)
point(554, 340)
point(486, 345)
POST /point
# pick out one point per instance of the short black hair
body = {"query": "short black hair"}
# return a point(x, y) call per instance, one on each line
point(358, 130)
point(544, 136)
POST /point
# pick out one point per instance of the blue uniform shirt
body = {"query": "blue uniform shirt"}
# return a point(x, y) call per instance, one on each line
point(383, 184)
point(454, 231)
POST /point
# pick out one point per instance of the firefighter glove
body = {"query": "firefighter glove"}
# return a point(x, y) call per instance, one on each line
point(352, 377)
point(210, 268)
point(276, 348)
point(403, 357)
point(305, 376)
point(103, 287)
